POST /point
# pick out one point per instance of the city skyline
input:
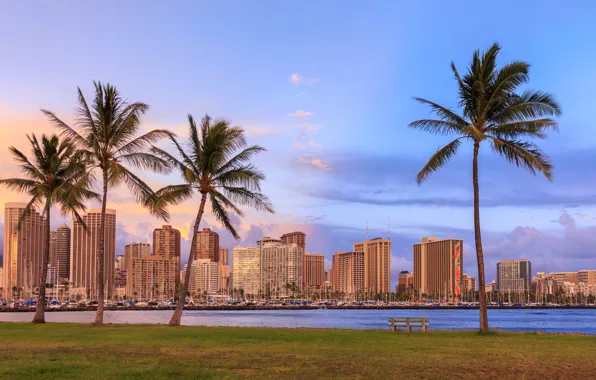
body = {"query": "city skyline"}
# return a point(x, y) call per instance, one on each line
point(315, 77)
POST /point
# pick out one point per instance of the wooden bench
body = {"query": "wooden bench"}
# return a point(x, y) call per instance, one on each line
point(409, 323)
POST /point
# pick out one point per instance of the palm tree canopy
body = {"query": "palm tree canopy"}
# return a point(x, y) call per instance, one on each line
point(106, 132)
point(55, 175)
point(493, 110)
point(215, 162)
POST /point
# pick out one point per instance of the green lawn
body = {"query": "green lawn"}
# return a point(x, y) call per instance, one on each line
point(69, 351)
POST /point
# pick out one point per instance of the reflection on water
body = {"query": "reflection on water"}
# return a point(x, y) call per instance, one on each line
point(582, 321)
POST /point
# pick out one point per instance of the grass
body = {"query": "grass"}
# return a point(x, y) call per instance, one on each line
point(74, 351)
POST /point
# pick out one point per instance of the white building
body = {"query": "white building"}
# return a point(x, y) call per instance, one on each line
point(204, 277)
point(246, 269)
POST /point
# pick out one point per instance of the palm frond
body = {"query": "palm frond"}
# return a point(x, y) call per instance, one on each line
point(437, 127)
point(245, 197)
point(523, 154)
point(437, 160)
point(221, 214)
point(443, 112)
point(529, 105)
point(146, 161)
point(529, 128)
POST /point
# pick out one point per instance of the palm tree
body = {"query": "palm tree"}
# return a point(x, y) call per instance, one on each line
point(55, 176)
point(212, 166)
point(106, 132)
point(492, 112)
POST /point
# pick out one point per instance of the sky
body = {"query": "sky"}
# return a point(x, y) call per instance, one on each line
point(326, 88)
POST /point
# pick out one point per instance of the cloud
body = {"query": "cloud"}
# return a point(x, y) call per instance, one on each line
point(298, 145)
point(301, 114)
point(295, 79)
point(313, 144)
point(314, 161)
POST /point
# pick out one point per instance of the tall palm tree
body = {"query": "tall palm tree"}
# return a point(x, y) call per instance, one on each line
point(493, 112)
point(55, 176)
point(106, 131)
point(216, 165)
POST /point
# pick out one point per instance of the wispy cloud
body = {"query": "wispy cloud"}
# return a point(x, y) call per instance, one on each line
point(314, 161)
point(301, 114)
point(298, 145)
point(295, 79)
point(313, 144)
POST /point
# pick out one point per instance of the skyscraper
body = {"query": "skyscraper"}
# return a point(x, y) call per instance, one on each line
point(151, 277)
point(281, 267)
point(314, 271)
point(298, 238)
point(246, 269)
point(349, 269)
point(223, 256)
point(136, 251)
point(206, 245)
point(514, 276)
point(60, 253)
point(204, 277)
point(166, 242)
point(23, 247)
point(377, 264)
point(85, 246)
point(405, 281)
point(438, 267)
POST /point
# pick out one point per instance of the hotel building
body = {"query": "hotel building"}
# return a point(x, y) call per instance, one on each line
point(23, 247)
point(84, 249)
point(514, 276)
point(150, 277)
point(349, 272)
point(206, 245)
point(314, 270)
point(60, 253)
point(438, 267)
point(246, 269)
point(377, 264)
point(280, 266)
point(405, 282)
point(204, 277)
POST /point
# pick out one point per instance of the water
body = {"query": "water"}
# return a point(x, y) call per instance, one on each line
point(548, 320)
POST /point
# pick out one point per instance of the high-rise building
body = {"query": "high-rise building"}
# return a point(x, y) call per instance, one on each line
point(405, 281)
point(206, 245)
point(349, 270)
point(281, 267)
point(60, 253)
point(166, 242)
point(587, 277)
point(225, 274)
point(438, 267)
point(246, 269)
point(136, 251)
point(514, 276)
point(85, 246)
point(223, 256)
point(23, 247)
point(151, 277)
point(204, 277)
point(314, 271)
point(298, 238)
point(468, 283)
point(561, 277)
point(377, 264)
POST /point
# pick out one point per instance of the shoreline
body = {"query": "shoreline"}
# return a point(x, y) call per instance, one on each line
point(293, 308)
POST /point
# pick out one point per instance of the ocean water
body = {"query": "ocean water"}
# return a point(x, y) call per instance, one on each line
point(548, 320)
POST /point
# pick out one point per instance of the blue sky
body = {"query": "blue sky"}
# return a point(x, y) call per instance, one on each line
point(356, 66)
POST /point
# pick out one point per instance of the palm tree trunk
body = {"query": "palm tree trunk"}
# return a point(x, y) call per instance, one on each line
point(40, 308)
point(478, 238)
point(101, 253)
point(177, 316)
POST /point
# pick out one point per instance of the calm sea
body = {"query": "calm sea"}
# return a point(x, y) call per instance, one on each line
point(568, 320)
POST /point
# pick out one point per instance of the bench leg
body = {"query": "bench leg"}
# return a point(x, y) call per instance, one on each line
point(409, 328)
point(423, 327)
point(393, 328)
